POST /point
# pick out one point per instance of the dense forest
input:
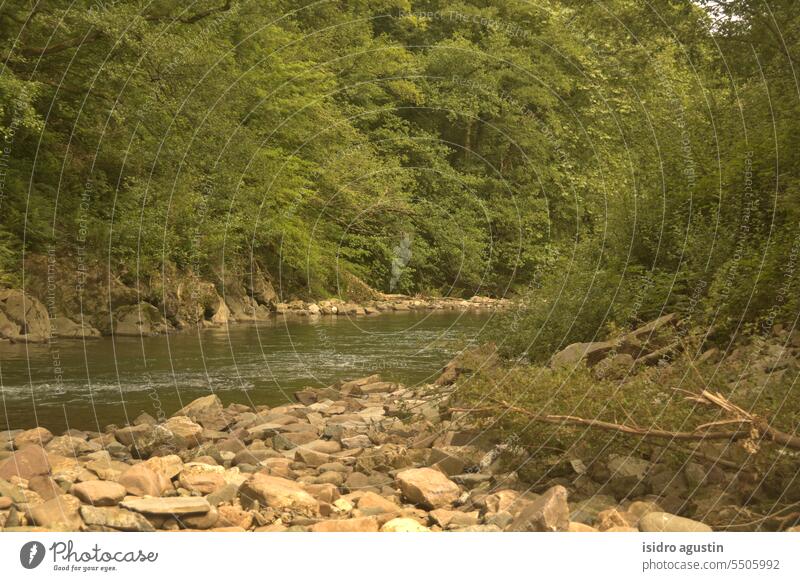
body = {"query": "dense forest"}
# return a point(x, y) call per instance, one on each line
point(626, 172)
point(606, 161)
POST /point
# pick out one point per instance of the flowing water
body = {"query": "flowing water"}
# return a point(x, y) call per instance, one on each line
point(88, 385)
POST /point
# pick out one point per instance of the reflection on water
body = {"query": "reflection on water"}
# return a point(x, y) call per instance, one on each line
point(72, 384)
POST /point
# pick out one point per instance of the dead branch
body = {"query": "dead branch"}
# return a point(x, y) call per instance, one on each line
point(631, 430)
point(749, 425)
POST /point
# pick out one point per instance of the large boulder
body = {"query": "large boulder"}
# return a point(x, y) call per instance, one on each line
point(141, 480)
point(428, 487)
point(23, 317)
point(202, 478)
point(69, 329)
point(31, 461)
point(260, 289)
point(143, 438)
point(140, 320)
point(38, 436)
point(184, 431)
point(591, 353)
point(59, 513)
point(548, 513)
point(278, 493)
point(206, 411)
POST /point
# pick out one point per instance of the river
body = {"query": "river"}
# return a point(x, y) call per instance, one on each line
point(88, 385)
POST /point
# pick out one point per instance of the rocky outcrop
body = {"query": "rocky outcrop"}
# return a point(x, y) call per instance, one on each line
point(23, 318)
point(646, 344)
point(85, 300)
point(139, 320)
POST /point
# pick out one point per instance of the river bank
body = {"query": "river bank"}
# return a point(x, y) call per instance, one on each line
point(368, 455)
point(65, 298)
point(359, 456)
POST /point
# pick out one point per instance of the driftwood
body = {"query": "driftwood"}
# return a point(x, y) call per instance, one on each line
point(749, 426)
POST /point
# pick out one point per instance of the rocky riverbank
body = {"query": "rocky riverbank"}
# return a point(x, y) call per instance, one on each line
point(363, 455)
point(68, 298)
point(24, 318)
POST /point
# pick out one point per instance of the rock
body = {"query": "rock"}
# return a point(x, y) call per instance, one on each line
point(115, 518)
point(612, 518)
point(69, 329)
point(29, 461)
point(201, 521)
point(70, 446)
point(591, 353)
point(5, 502)
point(403, 525)
point(640, 508)
point(352, 525)
point(428, 487)
point(311, 457)
point(99, 492)
point(446, 462)
point(617, 367)
point(45, 487)
point(503, 500)
point(59, 513)
point(234, 516)
point(107, 469)
point(356, 481)
point(287, 441)
point(141, 320)
point(657, 522)
point(452, 519)
point(184, 430)
point(202, 479)
point(306, 396)
point(8, 490)
point(323, 446)
point(278, 493)
point(627, 467)
point(185, 505)
point(548, 513)
point(577, 527)
point(206, 411)
point(142, 438)
point(354, 442)
point(225, 494)
point(37, 436)
point(166, 466)
point(378, 387)
point(23, 317)
point(140, 480)
point(586, 511)
point(371, 504)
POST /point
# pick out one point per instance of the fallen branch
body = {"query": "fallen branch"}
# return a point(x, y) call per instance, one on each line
point(759, 424)
point(631, 430)
point(750, 425)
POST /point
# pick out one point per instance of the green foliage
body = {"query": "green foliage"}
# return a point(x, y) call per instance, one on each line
point(605, 162)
